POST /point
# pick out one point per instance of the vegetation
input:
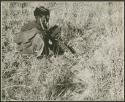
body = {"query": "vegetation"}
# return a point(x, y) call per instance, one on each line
point(94, 29)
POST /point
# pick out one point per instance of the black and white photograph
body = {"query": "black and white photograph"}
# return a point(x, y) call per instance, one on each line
point(62, 50)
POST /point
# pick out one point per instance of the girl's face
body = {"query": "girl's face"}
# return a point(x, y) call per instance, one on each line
point(43, 21)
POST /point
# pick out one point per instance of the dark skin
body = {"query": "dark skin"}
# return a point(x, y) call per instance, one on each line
point(42, 21)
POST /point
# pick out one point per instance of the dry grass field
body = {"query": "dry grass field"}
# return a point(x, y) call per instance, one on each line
point(94, 29)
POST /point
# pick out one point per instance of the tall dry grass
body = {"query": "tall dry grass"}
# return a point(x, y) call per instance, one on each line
point(94, 29)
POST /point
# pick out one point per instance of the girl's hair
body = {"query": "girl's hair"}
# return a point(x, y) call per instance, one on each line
point(39, 11)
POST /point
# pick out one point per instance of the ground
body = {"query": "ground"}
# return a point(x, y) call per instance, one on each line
point(94, 29)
